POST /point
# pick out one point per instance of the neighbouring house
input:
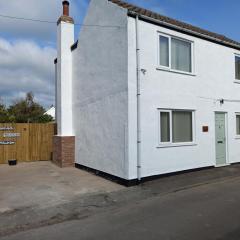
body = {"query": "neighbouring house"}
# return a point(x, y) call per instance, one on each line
point(51, 112)
point(140, 94)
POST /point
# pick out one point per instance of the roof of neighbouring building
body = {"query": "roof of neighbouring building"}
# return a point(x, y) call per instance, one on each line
point(184, 27)
point(51, 112)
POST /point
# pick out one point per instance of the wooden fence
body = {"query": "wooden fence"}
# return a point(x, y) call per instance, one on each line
point(26, 142)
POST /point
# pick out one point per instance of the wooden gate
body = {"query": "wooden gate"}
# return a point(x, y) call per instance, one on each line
point(26, 142)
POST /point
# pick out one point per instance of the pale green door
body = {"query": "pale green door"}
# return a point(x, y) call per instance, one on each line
point(220, 139)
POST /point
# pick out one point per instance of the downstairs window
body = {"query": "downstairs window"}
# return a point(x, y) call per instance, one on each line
point(176, 126)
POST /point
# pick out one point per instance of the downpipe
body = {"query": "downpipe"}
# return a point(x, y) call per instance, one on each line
point(139, 140)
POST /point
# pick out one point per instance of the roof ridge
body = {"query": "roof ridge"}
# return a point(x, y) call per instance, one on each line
point(177, 23)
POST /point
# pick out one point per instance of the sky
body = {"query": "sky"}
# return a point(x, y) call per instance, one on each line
point(27, 49)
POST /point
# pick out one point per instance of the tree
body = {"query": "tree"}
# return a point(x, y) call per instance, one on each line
point(4, 116)
point(28, 111)
point(45, 118)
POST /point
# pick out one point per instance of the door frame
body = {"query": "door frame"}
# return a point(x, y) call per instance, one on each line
point(226, 136)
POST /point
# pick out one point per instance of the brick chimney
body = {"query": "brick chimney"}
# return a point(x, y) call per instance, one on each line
point(64, 142)
point(65, 8)
point(65, 16)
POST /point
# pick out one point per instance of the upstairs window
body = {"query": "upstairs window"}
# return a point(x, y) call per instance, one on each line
point(175, 54)
point(237, 67)
point(164, 51)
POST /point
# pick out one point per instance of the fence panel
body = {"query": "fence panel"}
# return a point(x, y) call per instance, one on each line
point(26, 142)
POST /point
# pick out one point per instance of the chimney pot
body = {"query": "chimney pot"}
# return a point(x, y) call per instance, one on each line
point(65, 8)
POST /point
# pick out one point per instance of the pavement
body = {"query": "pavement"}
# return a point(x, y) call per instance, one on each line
point(196, 205)
point(44, 185)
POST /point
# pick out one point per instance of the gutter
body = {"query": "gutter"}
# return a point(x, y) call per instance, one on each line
point(139, 140)
point(184, 30)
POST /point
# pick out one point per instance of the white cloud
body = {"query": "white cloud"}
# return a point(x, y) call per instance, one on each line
point(49, 10)
point(27, 49)
point(24, 66)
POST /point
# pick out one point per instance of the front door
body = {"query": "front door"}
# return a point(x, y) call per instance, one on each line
point(220, 139)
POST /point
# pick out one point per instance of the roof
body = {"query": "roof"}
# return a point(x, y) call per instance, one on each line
point(170, 22)
point(51, 112)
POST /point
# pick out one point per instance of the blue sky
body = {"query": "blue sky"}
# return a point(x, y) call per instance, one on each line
point(27, 49)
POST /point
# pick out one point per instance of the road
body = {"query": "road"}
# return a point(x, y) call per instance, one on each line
point(209, 211)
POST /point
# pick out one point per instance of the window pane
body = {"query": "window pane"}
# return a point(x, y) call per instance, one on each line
point(165, 127)
point(164, 51)
point(182, 126)
point(237, 67)
point(181, 55)
point(238, 124)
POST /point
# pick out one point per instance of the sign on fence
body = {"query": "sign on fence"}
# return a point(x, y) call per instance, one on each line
point(11, 135)
point(6, 143)
point(6, 128)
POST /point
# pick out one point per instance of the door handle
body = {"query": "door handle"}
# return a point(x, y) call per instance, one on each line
point(220, 141)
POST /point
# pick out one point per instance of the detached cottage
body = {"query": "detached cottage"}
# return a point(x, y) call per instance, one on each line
point(140, 94)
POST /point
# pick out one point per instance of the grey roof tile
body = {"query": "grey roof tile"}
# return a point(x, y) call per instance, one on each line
point(184, 26)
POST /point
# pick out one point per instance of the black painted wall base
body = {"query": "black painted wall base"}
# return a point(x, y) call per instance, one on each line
point(134, 182)
point(121, 181)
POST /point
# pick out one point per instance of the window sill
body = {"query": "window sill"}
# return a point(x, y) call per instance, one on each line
point(237, 137)
point(175, 71)
point(236, 81)
point(176, 145)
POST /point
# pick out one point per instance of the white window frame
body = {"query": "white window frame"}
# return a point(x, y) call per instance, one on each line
point(237, 135)
point(169, 51)
point(171, 143)
point(236, 80)
point(170, 37)
point(170, 119)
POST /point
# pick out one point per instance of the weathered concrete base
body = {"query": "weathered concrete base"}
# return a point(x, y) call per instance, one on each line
point(60, 206)
point(64, 151)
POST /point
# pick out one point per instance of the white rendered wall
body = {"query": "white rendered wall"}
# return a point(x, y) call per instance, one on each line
point(65, 39)
point(100, 99)
point(215, 75)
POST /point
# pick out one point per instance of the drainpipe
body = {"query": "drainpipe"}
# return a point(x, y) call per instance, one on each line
point(139, 164)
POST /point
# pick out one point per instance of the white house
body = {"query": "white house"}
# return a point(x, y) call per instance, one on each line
point(51, 112)
point(140, 94)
